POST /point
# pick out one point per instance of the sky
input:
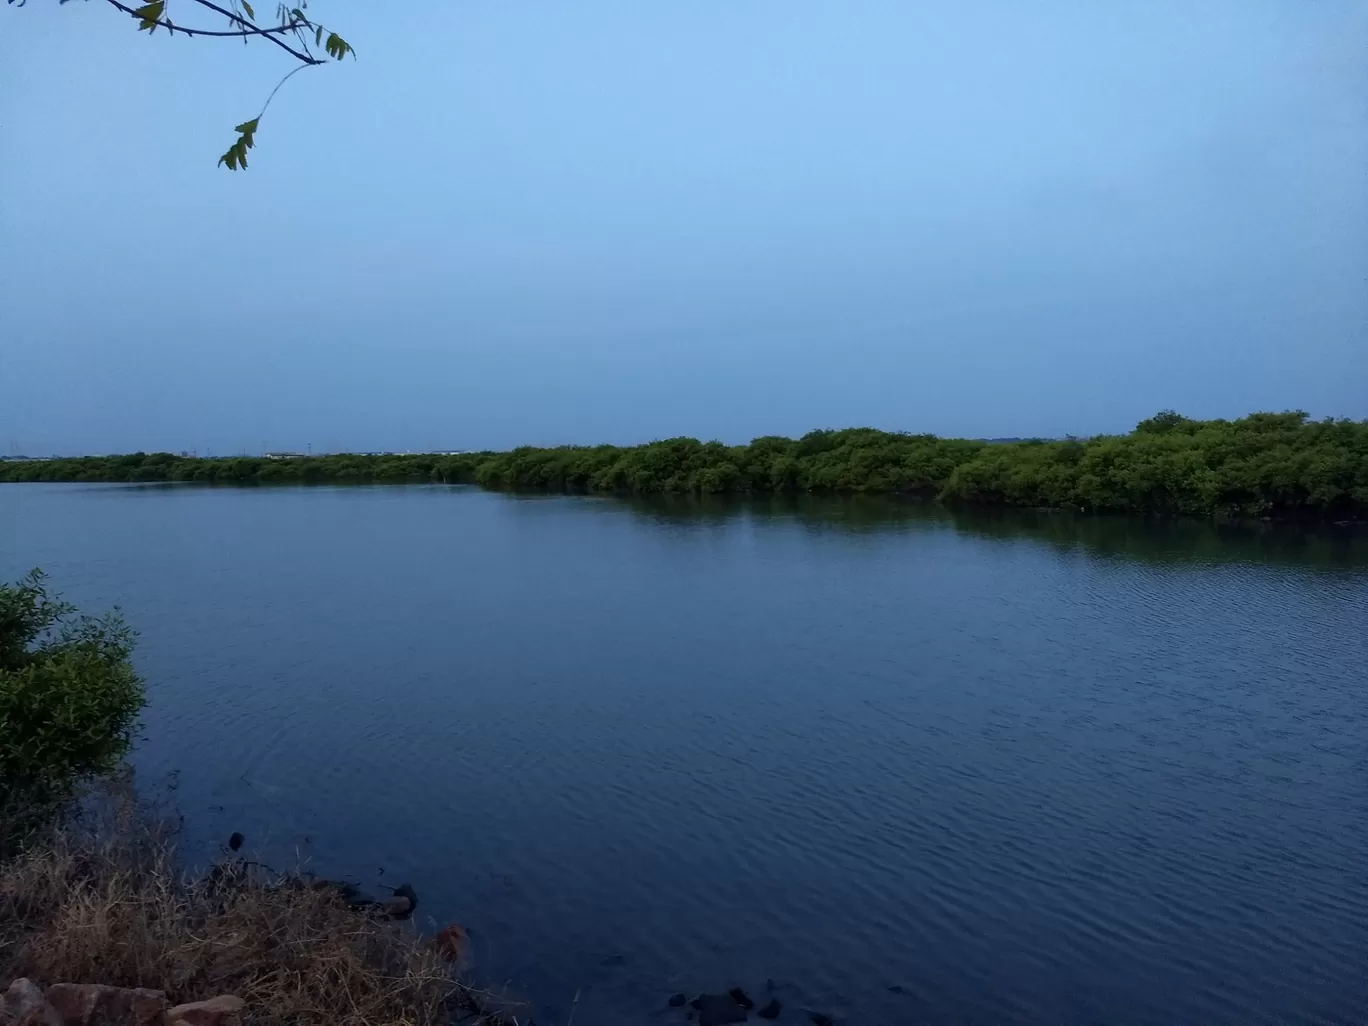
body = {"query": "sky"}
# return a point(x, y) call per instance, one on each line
point(514, 222)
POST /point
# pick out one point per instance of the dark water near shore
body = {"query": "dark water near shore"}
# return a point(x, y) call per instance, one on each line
point(1024, 768)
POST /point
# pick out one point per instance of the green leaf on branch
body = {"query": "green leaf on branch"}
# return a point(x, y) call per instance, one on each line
point(149, 14)
point(236, 157)
point(338, 47)
point(248, 8)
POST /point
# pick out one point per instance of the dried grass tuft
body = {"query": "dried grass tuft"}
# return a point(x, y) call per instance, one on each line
point(101, 899)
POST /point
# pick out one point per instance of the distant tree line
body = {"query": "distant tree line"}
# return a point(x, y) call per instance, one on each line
point(1266, 464)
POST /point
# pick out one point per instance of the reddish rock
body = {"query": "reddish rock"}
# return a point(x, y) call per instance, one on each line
point(79, 1003)
point(83, 1004)
point(450, 942)
point(23, 1004)
point(219, 1011)
point(148, 1007)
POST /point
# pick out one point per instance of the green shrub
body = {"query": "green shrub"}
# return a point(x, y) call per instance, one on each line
point(69, 699)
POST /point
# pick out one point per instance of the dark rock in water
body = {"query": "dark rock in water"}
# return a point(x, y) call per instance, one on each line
point(346, 890)
point(403, 904)
point(739, 996)
point(235, 841)
point(677, 1001)
point(818, 1019)
point(769, 985)
point(613, 960)
point(896, 989)
point(719, 1010)
point(696, 1003)
point(771, 1010)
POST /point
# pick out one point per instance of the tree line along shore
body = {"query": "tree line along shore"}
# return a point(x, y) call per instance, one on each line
point(1265, 464)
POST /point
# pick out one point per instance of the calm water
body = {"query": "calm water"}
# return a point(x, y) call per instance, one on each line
point(1025, 769)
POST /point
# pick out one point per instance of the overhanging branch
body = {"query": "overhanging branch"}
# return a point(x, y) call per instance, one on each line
point(247, 30)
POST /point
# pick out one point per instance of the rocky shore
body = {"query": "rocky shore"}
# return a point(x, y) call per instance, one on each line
point(101, 926)
point(25, 1003)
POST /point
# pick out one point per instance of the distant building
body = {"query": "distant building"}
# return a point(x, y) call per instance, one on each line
point(383, 452)
point(285, 456)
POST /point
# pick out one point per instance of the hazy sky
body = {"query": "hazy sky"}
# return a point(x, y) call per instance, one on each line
point(615, 220)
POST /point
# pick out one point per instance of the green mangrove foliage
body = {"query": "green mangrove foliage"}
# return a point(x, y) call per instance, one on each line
point(1264, 464)
point(69, 699)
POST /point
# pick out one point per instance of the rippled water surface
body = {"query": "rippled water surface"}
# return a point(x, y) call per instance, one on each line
point(912, 767)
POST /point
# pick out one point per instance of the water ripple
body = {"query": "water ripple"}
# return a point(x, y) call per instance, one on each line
point(1020, 778)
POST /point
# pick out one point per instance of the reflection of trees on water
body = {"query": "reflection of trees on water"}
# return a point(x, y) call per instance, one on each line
point(1145, 539)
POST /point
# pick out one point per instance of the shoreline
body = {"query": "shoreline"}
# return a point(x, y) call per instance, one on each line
point(1269, 467)
point(1296, 518)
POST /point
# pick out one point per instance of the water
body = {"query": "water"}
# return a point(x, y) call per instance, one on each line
point(1023, 768)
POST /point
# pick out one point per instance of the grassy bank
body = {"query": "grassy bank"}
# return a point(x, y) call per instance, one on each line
point(91, 890)
point(1266, 464)
point(102, 899)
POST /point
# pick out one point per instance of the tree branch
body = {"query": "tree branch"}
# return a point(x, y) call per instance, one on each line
point(276, 90)
point(306, 57)
point(273, 33)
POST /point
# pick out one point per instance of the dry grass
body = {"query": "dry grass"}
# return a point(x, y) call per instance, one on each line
point(101, 899)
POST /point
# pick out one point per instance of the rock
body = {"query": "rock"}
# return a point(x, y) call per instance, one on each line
point(451, 942)
point(771, 1010)
point(235, 841)
point(739, 996)
point(220, 1011)
point(818, 1019)
point(677, 1001)
point(718, 1010)
point(403, 904)
point(347, 891)
point(79, 1003)
point(23, 1004)
point(897, 989)
point(148, 1006)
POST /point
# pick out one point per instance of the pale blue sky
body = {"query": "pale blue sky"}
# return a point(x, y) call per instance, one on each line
point(601, 220)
